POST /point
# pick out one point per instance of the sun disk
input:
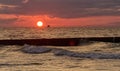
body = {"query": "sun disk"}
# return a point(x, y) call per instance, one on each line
point(39, 23)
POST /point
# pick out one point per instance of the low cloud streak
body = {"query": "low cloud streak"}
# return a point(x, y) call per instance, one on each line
point(8, 21)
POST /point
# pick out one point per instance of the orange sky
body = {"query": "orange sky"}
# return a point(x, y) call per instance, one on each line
point(30, 21)
point(59, 13)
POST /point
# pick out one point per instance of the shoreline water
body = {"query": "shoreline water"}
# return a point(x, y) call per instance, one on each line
point(13, 59)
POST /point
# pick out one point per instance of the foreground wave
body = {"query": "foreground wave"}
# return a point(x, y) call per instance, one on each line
point(63, 52)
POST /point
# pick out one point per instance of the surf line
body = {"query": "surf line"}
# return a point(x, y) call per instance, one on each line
point(59, 41)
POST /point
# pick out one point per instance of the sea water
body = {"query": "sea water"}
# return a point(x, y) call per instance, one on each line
point(21, 33)
point(13, 59)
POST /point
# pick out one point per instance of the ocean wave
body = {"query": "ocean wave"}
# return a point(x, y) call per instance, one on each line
point(64, 52)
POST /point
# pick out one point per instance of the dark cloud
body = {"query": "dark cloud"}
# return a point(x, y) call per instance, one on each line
point(63, 8)
point(7, 21)
point(11, 2)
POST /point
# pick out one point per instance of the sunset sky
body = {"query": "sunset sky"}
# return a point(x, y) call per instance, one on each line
point(26, 13)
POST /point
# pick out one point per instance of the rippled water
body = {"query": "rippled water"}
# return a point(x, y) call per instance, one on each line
point(13, 59)
point(21, 33)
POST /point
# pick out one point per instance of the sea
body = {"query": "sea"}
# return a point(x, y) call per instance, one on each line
point(13, 59)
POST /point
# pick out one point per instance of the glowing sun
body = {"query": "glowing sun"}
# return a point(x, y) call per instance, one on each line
point(39, 23)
